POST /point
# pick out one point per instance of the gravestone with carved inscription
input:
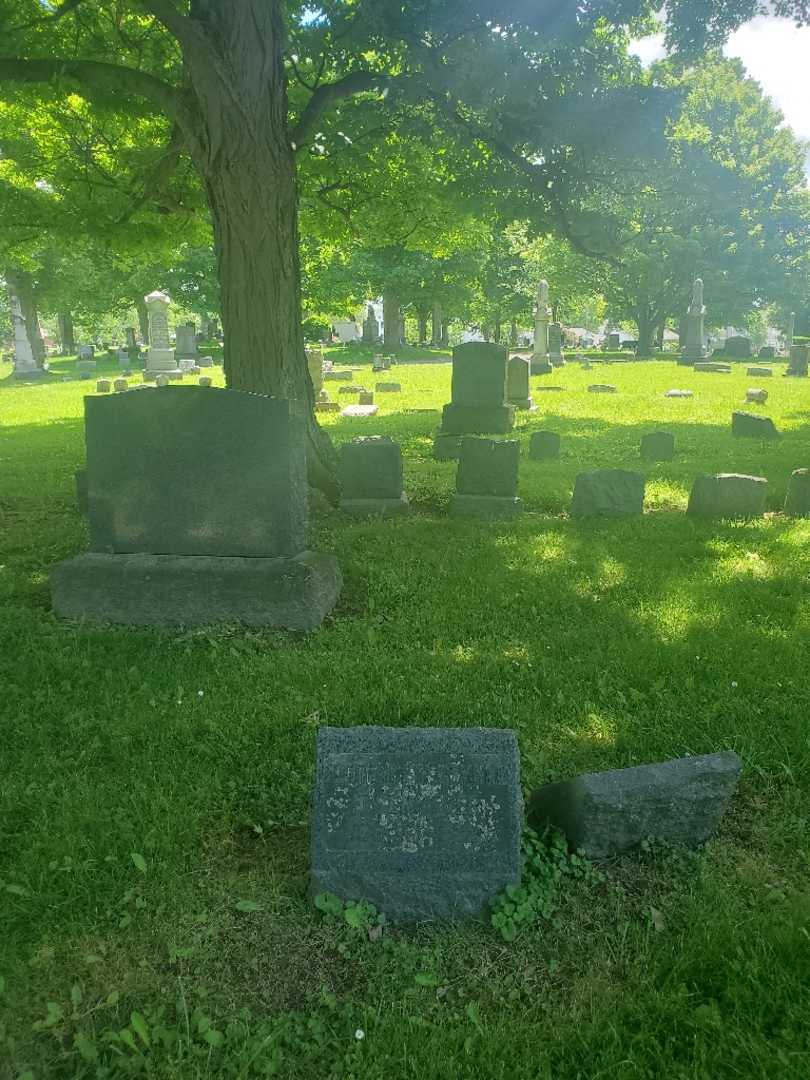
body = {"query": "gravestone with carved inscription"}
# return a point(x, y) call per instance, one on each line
point(424, 823)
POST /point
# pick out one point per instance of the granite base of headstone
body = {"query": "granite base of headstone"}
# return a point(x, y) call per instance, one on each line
point(487, 479)
point(370, 474)
point(728, 495)
point(605, 814)
point(544, 446)
point(424, 823)
point(713, 366)
point(608, 493)
point(657, 446)
point(478, 392)
point(759, 372)
point(797, 501)
point(752, 426)
point(541, 365)
point(352, 388)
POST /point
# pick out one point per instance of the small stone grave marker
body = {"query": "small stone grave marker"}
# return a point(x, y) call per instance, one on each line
point(752, 426)
point(120, 385)
point(544, 446)
point(728, 495)
point(609, 492)
point(797, 503)
point(371, 476)
point(487, 479)
point(658, 446)
point(360, 411)
point(755, 394)
point(388, 388)
point(602, 388)
point(424, 823)
point(759, 372)
point(679, 393)
point(103, 386)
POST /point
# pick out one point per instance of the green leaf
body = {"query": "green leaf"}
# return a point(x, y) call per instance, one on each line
point(86, 1047)
point(76, 996)
point(425, 978)
point(112, 998)
point(248, 905)
point(214, 1037)
point(139, 860)
point(140, 1028)
point(17, 890)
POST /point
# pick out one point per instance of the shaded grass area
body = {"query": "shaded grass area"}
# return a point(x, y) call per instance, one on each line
point(602, 644)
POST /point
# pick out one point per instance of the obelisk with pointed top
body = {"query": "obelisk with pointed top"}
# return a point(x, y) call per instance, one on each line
point(540, 363)
point(694, 326)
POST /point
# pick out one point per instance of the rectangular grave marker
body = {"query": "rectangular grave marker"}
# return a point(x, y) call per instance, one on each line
point(424, 823)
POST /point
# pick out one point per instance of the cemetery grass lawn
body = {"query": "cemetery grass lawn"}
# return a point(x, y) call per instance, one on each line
point(155, 787)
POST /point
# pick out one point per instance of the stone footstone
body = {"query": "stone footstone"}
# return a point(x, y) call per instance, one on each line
point(547, 389)
point(604, 814)
point(370, 474)
point(388, 388)
point(366, 398)
point(103, 386)
point(162, 380)
point(327, 406)
point(602, 388)
point(797, 502)
point(168, 590)
point(751, 426)
point(544, 446)
point(608, 492)
point(658, 446)
point(446, 447)
point(338, 376)
point(713, 366)
point(424, 823)
point(728, 495)
point(679, 393)
point(205, 380)
point(351, 389)
point(360, 411)
point(120, 385)
point(517, 383)
point(756, 395)
point(759, 372)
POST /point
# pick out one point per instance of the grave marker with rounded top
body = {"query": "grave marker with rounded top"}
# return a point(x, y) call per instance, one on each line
point(755, 394)
point(517, 383)
point(797, 502)
point(658, 446)
point(608, 492)
point(120, 385)
point(424, 823)
point(728, 495)
point(103, 386)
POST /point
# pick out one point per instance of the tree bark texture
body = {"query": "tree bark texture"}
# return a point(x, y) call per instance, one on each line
point(67, 340)
point(391, 323)
point(422, 320)
point(436, 324)
point(143, 319)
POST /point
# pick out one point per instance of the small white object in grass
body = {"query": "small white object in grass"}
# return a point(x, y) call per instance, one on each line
point(359, 1034)
point(200, 693)
point(733, 686)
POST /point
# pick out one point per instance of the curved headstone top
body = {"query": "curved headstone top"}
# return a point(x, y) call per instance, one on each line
point(157, 297)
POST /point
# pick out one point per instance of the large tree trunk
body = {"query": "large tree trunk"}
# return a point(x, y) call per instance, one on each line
point(497, 333)
point(436, 325)
point(143, 319)
point(240, 145)
point(645, 321)
point(445, 341)
point(391, 323)
point(513, 333)
point(22, 285)
point(67, 341)
point(422, 319)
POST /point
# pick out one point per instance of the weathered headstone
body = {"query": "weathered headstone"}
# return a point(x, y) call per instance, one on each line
point(205, 380)
point(544, 446)
point(716, 367)
point(658, 446)
point(162, 380)
point(728, 495)
point(614, 342)
point(767, 352)
point(86, 352)
point(539, 362)
point(103, 386)
point(424, 823)
point(185, 342)
point(679, 393)
point(351, 389)
point(602, 388)
point(604, 814)
point(555, 342)
point(371, 327)
point(333, 375)
point(752, 426)
point(205, 361)
point(160, 357)
point(84, 367)
point(755, 394)
point(759, 372)
point(327, 406)
point(172, 542)
point(388, 387)
point(120, 385)
point(693, 349)
point(738, 347)
point(360, 412)
point(798, 362)
point(517, 383)
point(478, 391)
point(370, 476)
point(487, 479)
point(365, 397)
point(797, 502)
point(608, 492)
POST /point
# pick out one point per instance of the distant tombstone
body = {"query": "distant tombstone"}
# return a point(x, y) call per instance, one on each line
point(694, 329)
point(759, 372)
point(173, 542)
point(85, 367)
point(478, 391)
point(756, 394)
point(487, 479)
point(767, 352)
point(517, 383)
point(103, 386)
point(679, 393)
point(602, 388)
point(555, 340)
point(424, 823)
point(544, 446)
point(658, 446)
point(713, 366)
point(365, 397)
point(86, 352)
point(160, 356)
point(388, 387)
point(608, 492)
point(205, 380)
point(539, 362)
point(120, 385)
point(604, 814)
point(798, 362)
point(25, 363)
point(185, 343)
point(753, 426)
point(728, 495)
point(129, 334)
point(614, 342)
point(360, 412)
point(797, 503)
point(333, 375)
point(371, 327)
point(738, 347)
point(370, 473)
point(352, 388)
point(205, 362)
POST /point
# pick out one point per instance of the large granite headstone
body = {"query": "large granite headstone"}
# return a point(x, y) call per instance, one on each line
point(185, 342)
point(424, 823)
point(738, 347)
point(604, 814)
point(478, 391)
point(174, 541)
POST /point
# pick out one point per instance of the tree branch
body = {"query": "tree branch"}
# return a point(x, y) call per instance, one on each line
point(93, 75)
point(356, 82)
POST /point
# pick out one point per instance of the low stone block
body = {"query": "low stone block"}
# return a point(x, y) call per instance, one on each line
point(712, 366)
point(352, 389)
point(360, 411)
point(608, 492)
point(658, 446)
point(604, 814)
point(446, 447)
point(602, 388)
point(541, 365)
point(756, 395)
point(327, 406)
point(767, 352)
point(548, 389)
point(338, 376)
point(488, 467)
point(728, 495)
point(544, 446)
point(797, 502)
point(193, 590)
point(204, 361)
point(679, 393)
point(120, 385)
point(103, 386)
point(366, 398)
point(424, 823)
point(751, 426)
point(388, 388)
point(205, 380)
point(759, 372)
point(477, 419)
